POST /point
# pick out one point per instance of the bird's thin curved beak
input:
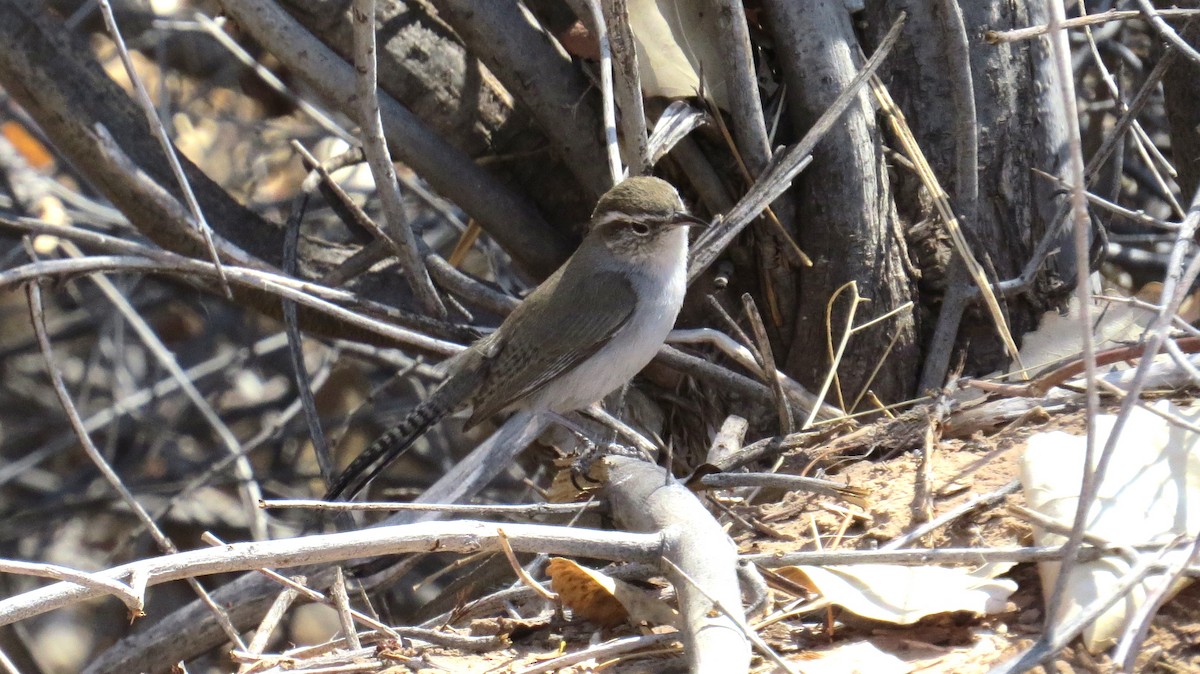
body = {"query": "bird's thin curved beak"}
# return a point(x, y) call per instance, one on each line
point(689, 220)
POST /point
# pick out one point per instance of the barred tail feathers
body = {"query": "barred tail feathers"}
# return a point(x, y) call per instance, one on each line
point(386, 449)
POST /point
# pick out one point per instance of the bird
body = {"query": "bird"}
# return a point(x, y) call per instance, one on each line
point(583, 333)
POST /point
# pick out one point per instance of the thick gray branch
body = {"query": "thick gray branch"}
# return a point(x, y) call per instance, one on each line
point(513, 222)
point(645, 498)
point(536, 70)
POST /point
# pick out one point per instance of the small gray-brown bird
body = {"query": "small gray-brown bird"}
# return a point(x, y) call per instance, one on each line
point(584, 332)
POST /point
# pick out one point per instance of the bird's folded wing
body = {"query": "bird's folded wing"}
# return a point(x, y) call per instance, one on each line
point(532, 351)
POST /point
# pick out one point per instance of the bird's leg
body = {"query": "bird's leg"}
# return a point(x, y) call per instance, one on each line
point(647, 448)
point(581, 467)
point(591, 452)
point(592, 448)
point(618, 404)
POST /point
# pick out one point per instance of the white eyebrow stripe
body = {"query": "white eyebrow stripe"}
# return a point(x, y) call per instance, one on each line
point(621, 216)
point(611, 216)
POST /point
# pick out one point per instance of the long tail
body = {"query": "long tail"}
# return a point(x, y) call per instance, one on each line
point(387, 448)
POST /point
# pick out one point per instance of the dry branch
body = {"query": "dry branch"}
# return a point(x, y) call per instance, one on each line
point(380, 160)
point(645, 498)
point(461, 536)
point(506, 216)
point(536, 70)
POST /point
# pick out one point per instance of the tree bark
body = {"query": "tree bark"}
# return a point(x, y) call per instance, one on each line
point(1020, 126)
point(1181, 91)
point(425, 65)
point(846, 218)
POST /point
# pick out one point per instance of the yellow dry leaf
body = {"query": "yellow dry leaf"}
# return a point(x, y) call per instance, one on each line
point(604, 600)
point(588, 594)
point(677, 45)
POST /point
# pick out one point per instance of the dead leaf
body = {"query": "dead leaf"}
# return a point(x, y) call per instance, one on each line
point(676, 45)
point(905, 594)
point(604, 600)
point(858, 657)
point(1058, 336)
point(1149, 493)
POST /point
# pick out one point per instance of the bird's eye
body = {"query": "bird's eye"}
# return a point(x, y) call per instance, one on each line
point(640, 228)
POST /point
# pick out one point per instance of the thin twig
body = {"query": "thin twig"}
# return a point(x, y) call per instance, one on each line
point(529, 510)
point(291, 240)
point(134, 601)
point(924, 556)
point(9, 666)
point(266, 627)
point(599, 28)
point(213, 28)
point(977, 502)
point(341, 603)
point(37, 316)
point(251, 491)
point(272, 283)
point(783, 409)
point(1166, 32)
point(627, 86)
point(998, 36)
point(607, 650)
point(1130, 645)
point(1060, 375)
point(921, 506)
point(160, 134)
point(1138, 216)
point(835, 358)
point(812, 485)
point(522, 574)
point(380, 159)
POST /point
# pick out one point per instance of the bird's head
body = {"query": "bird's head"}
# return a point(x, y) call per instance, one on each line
point(641, 217)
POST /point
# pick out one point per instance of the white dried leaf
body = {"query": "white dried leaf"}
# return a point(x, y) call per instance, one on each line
point(1059, 336)
point(905, 594)
point(858, 657)
point(1150, 493)
point(677, 44)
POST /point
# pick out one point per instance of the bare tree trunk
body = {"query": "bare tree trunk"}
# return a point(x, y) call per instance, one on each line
point(847, 223)
point(1020, 125)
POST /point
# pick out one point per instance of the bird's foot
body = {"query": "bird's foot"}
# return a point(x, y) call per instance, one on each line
point(591, 452)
